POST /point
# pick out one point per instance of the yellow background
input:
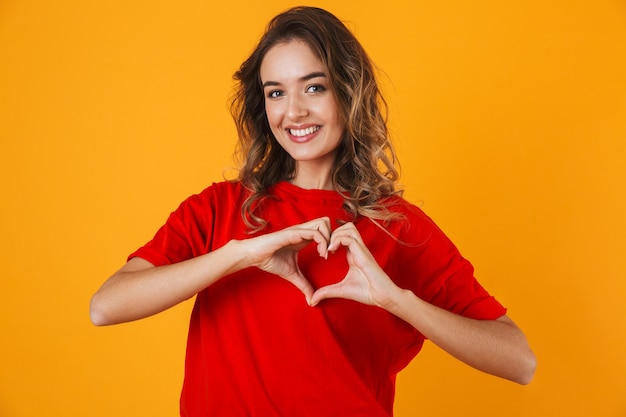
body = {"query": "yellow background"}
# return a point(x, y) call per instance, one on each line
point(510, 122)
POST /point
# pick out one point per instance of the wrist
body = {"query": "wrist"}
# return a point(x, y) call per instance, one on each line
point(236, 250)
point(394, 300)
point(400, 301)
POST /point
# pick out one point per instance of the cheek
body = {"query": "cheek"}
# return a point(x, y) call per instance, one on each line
point(273, 114)
point(331, 112)
point(336, 121)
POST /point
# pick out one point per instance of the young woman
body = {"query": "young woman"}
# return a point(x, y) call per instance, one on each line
point(316, 282)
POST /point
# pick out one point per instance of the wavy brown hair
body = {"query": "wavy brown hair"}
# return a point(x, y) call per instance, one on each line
point(365, 165)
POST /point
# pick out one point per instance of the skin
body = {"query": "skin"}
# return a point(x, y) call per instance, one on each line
point(297, 97)
point(139, 289)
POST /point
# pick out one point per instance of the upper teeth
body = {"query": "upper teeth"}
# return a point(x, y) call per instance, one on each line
point(302, 132)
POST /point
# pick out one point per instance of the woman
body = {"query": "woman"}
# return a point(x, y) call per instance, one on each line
point(316, 282)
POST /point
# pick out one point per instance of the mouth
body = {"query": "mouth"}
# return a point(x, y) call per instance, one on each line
point(304, 132)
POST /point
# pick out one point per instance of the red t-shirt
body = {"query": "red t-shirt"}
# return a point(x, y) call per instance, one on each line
point(255, 348)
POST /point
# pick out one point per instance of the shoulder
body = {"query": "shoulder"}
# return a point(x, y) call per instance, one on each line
point(410, 224)
point(223, 192)
point(220, 202)
point(407, 212)
point(225, 188)
point(218, 197)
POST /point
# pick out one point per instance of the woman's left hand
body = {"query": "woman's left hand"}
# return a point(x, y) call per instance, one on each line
point(495, 346)
point(365, 281)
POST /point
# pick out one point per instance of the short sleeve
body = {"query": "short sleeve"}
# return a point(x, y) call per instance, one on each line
point(184, 235)
point(440, 275)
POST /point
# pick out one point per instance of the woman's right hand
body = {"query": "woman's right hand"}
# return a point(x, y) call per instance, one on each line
point(139, 289)
point(277, 252)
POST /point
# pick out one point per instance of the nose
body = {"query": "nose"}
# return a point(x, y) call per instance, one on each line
point(296, 107)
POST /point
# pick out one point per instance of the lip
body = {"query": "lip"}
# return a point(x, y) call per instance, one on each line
point(305, 138)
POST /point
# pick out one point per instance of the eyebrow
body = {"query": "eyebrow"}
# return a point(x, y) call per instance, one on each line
point(307, 77)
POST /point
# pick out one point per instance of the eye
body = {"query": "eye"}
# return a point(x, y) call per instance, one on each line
point(316, 88)
point(275, 94)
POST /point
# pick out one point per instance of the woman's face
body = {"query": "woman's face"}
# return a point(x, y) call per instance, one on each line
point(300, 106)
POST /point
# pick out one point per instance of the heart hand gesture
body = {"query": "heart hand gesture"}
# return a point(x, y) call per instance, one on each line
point(365, 281)
point(277, 253)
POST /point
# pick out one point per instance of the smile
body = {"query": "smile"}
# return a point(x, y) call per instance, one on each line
point(303, 132)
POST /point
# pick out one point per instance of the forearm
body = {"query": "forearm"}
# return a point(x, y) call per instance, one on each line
point(497, 347)
point(140, 290)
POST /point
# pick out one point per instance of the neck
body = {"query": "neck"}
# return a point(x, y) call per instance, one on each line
point(312, 176)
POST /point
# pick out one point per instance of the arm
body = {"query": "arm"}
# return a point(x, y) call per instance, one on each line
point(139, 289)
point(497, 346)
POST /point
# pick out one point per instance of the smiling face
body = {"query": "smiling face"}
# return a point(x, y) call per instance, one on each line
point(301, 109)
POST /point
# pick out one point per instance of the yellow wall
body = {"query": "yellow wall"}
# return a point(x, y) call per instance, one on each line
point(510, 119)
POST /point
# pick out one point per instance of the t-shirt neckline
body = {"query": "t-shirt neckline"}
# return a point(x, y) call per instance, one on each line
point(285, 189)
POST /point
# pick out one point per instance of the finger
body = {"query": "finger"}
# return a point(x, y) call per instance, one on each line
point(300, 237)
point(358, 254)
point(322, 235)
point(321, 240)
point(344, 237)
point(321, 224)
point(346, 226)
point(348, 229)
point(329, 291)
point(300, 282)
point(304, 286)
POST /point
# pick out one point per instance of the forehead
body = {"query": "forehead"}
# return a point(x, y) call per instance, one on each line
point(292, 59)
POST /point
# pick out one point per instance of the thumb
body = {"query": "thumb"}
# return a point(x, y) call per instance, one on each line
point(329, 291)
point(303, 284)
